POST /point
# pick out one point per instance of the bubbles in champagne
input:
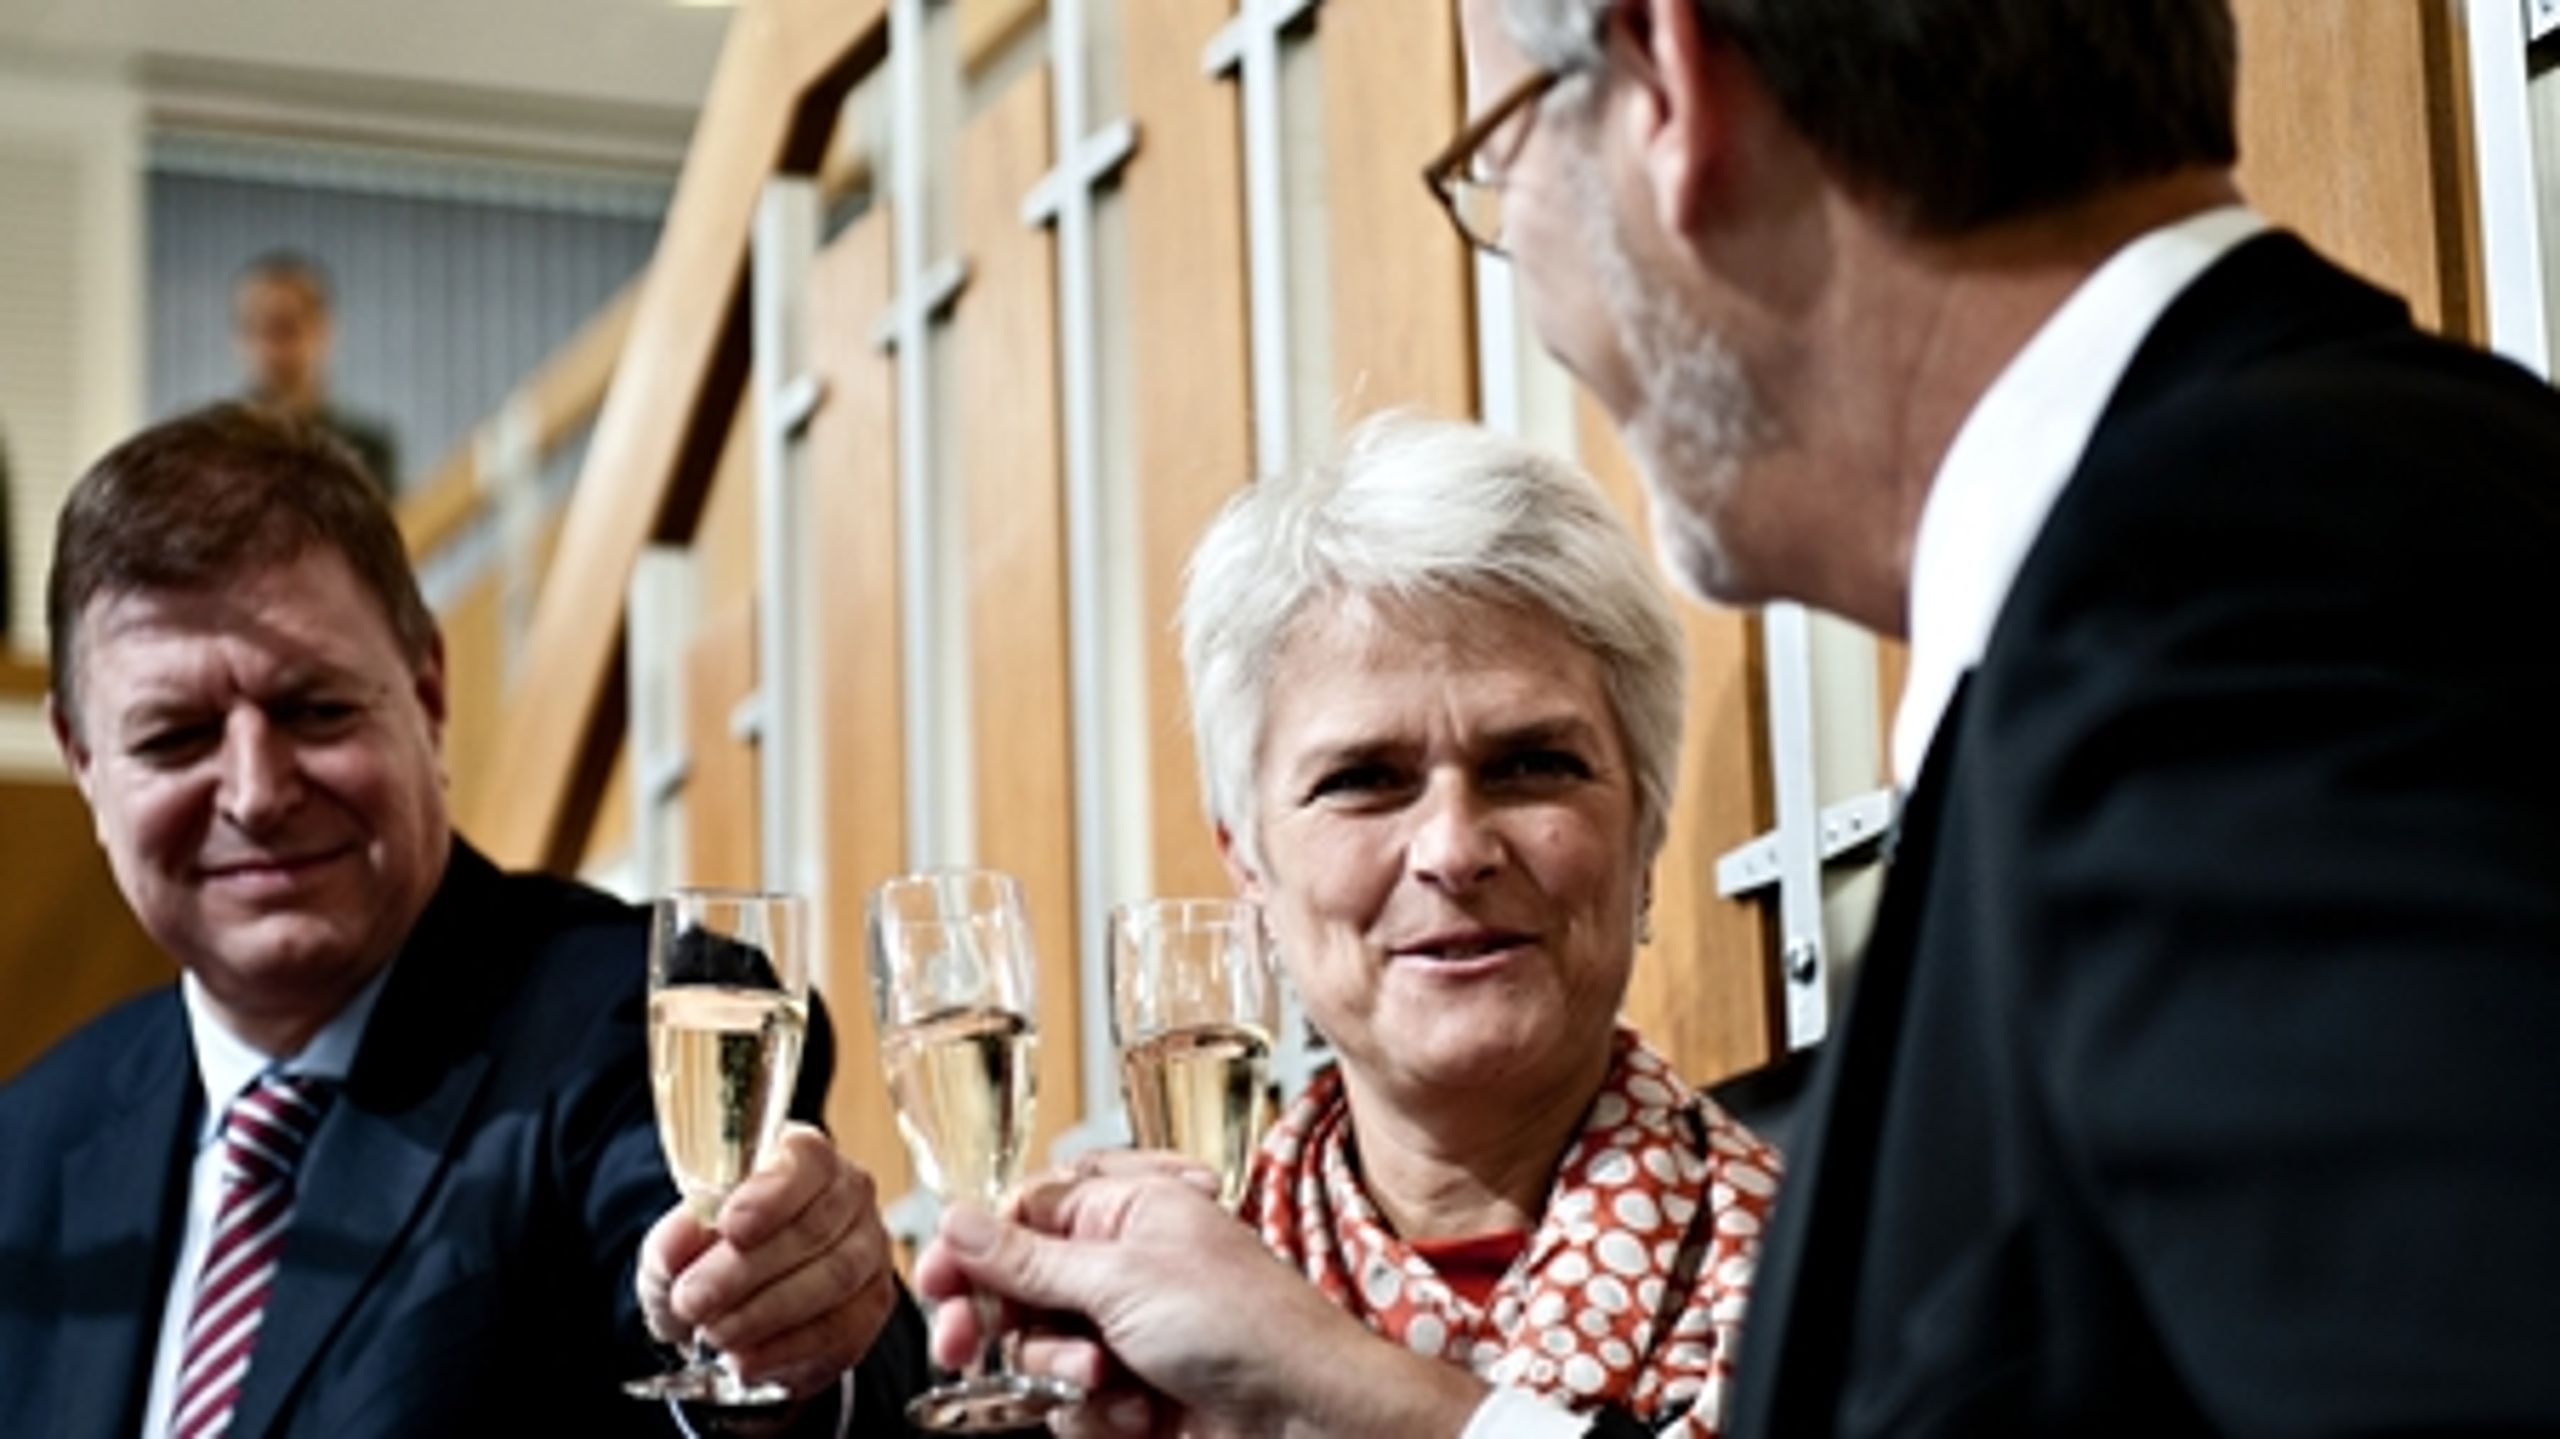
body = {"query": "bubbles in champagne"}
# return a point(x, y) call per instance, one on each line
point(722, 1061)
point(962, 1082)
point(1203, 1091)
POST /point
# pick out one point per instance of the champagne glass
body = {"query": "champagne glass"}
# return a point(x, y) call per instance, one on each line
point(951, 984)
point(728, 1011)
point(1194, 1006)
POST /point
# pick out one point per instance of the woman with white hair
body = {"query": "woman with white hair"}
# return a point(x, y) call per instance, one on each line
point(1436, 691)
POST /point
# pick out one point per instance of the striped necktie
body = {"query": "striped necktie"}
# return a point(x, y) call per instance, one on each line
point(263, 1135)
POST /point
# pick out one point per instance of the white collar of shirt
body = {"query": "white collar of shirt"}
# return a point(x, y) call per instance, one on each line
point(2018, 449)
point(226, 1063)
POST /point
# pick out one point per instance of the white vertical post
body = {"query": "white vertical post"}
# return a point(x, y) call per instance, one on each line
point(925, 288)
point(1065, 198)
point(1250, 46)
point(2502, 154)
point(922, 289)
point(1788, 656)
point(510, 474)
point(660, 610)
point(786, 246)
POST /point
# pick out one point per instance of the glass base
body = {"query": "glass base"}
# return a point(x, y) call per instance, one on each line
point(991, 1403)
point(710, 1386)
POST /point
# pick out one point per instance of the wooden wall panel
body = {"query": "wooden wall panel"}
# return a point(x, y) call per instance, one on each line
point(724, 544)
point(720, 786)
point(1705, 990)
point(475, 673)
point(1403, 300)
point(785, 67)
point(609, 839)
point(610, 833)
point(862, 800)
point(1184, 193)
point(1005, 338)
point(23, 676)
point(2354, 129)
point(69, 947)
point(988, 27)
point(1893, 671)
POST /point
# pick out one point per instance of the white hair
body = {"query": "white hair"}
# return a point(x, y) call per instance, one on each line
point(1559, 34)
point(1412, 509)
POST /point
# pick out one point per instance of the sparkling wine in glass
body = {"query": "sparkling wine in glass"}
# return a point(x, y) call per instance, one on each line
point(952, 988)
point(728, 1013)
point(1194, 1006)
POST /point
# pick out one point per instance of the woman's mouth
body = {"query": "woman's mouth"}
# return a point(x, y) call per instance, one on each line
point(1464, 951)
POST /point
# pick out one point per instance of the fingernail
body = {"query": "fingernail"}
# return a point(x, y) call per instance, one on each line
point(970, 1229)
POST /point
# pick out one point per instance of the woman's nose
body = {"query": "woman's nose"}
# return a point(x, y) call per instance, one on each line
point(261, 776)
point(1456, 843)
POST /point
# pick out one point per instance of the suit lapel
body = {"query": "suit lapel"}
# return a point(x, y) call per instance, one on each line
point(1794, 1349)
point(384, 1142)
point(369, 1171)
point(117, 1193)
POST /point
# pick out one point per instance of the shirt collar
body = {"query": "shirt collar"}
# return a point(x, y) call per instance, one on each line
point(227, 1064)
point(2018, 449)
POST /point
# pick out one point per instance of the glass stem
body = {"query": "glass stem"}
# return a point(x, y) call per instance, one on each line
point(991, 1354)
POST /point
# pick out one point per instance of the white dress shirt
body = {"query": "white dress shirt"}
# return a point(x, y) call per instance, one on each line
point(226, 1065)
point(2018, 449)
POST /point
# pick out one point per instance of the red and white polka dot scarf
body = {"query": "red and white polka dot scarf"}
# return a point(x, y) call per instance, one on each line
point(1629, 1293)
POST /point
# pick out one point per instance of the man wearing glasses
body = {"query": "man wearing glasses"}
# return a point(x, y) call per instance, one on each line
point(2200, 1077)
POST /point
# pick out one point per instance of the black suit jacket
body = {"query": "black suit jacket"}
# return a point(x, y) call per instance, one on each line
point(2204, 1073)
point(471, 1206)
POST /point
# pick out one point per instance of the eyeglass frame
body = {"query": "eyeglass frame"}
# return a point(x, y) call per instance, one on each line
point(1446, 172)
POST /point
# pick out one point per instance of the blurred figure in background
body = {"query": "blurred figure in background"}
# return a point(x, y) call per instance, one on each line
point(284, 326)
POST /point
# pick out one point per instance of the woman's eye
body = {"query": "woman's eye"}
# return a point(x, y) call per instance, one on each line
point(1354, 780)
point(1540, 764)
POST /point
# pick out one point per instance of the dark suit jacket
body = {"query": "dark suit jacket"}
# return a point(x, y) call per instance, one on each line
point(2204, 1073)
point(471, 1207)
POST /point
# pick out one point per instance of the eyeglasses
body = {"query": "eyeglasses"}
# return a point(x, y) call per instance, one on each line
point(1463, 185)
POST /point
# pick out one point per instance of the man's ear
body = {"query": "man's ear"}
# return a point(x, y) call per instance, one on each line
point(74, 750)
point(429, 687)
point(1247, 883)
point(1678, 116)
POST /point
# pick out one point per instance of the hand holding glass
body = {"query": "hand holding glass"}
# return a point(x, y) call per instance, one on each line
point(1194, 1006)
point(951, 985)
point(728, 1011)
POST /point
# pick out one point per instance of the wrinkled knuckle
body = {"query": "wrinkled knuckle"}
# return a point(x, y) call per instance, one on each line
point(872, 1311)
point(845, 1270)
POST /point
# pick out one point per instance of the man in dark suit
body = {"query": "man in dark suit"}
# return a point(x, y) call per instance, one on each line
point(481, 1235)
point(2200, 1077)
